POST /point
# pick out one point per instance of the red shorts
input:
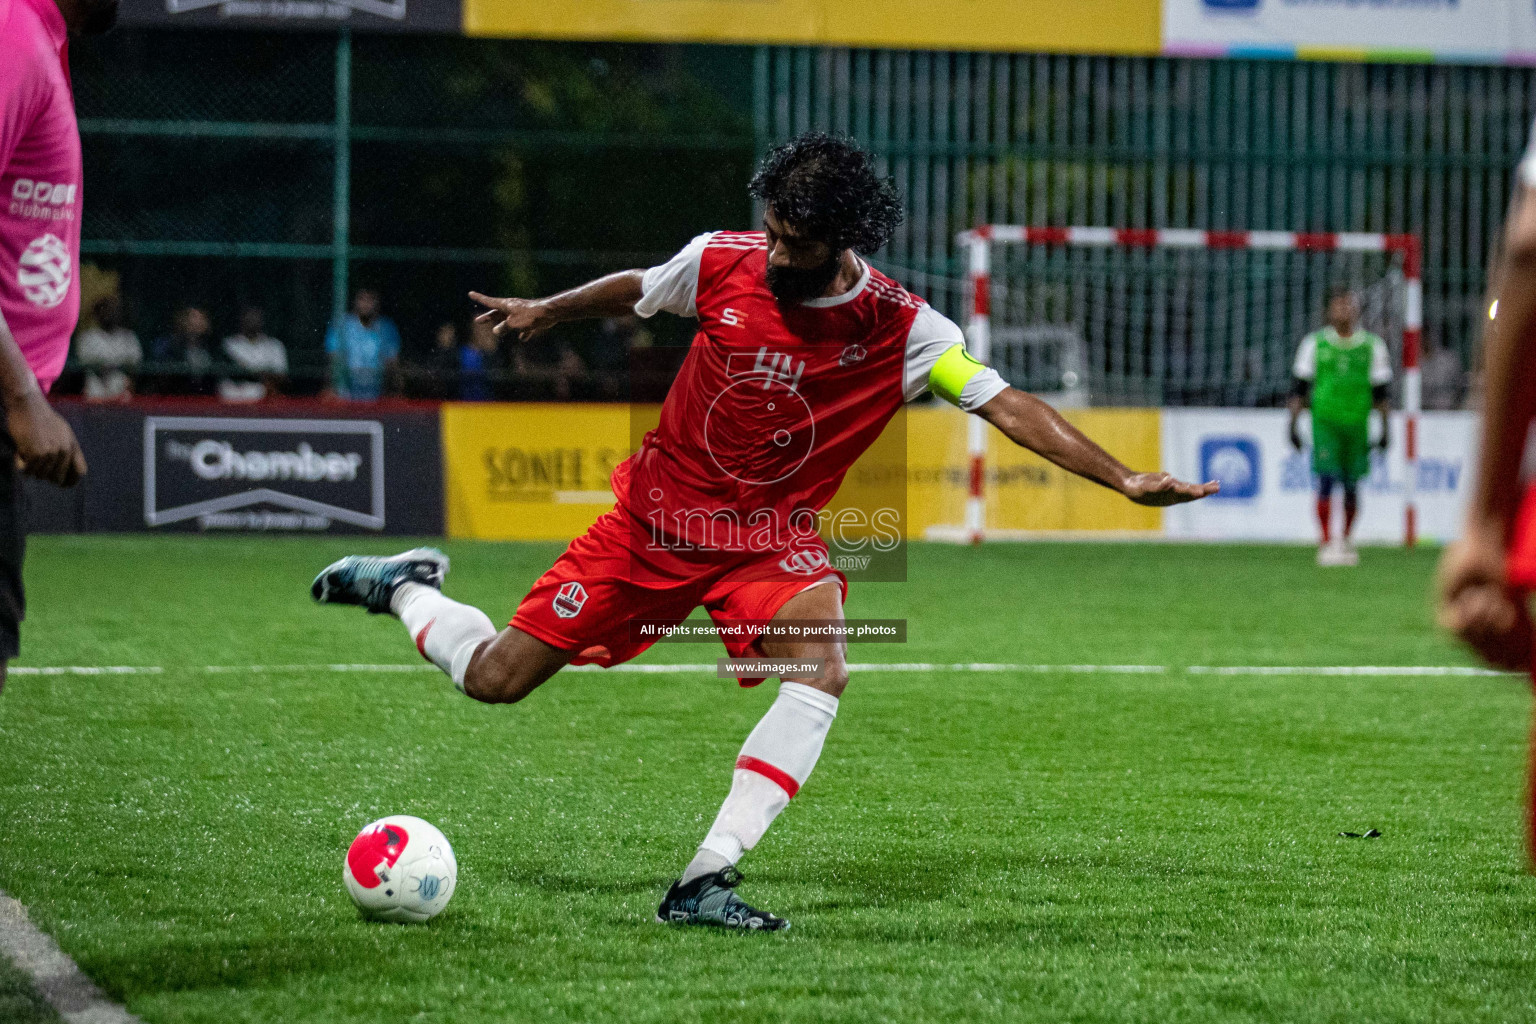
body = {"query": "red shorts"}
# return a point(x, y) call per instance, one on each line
point(592, 598)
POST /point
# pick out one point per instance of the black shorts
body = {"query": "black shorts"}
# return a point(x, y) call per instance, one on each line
point(13, 548)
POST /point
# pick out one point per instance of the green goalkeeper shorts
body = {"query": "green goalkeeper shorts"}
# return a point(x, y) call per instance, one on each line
point(1341, 450)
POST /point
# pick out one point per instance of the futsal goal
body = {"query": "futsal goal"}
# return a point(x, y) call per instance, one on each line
point(1157, 318)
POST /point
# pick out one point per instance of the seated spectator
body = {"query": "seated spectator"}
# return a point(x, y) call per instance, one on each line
point(544, 368)
point(257, 362)
point(185, 363)
point(608, 357)
point(109, 352)
point(364, 349)
point(441, 372)
point(479, 365)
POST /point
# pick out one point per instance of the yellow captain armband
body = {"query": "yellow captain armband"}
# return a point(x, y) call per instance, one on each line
point(954, 370)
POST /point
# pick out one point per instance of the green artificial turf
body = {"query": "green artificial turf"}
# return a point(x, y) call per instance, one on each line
point(1041, 846)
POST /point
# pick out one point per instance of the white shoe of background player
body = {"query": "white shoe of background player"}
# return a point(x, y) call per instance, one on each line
point(1333, 553)
point(1348, 555)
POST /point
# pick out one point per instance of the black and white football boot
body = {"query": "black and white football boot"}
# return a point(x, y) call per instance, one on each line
point(712, 900)
point(371, 580)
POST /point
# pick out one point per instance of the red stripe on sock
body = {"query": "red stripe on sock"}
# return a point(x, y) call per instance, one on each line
point(783, 779)
point(421, 638)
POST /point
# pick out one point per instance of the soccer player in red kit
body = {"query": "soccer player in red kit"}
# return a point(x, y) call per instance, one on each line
point(804, 353)
point(1487, 577)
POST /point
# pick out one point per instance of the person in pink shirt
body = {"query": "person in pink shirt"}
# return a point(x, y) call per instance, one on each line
point(40, 204)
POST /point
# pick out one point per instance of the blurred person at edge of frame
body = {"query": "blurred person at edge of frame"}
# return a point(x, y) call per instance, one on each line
point(1486, 577)
point(40, 160)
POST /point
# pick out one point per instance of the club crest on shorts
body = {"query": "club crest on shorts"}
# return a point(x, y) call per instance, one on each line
point(852, 354)
point(804, 562)
point(569, 599)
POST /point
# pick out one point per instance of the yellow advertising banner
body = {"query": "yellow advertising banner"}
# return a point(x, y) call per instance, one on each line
point(1024, 492)
point(1081, 26)
point(530, 471)
point(540, 472)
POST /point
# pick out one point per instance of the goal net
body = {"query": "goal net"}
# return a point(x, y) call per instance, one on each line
point(1145, 318)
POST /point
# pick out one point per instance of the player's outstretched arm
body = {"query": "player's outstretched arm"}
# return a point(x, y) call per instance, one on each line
point(613, 295)
point(1032, 424)
point(1475, 600)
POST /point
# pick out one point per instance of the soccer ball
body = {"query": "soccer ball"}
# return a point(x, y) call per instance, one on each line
point(400, 869)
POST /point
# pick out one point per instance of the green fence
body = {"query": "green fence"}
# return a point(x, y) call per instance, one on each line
point(227, 168)
point(1165, 143)
point(234, 168)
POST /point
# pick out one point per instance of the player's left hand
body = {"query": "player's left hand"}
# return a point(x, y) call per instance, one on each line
point(518, 318)
point(1477, 604)
point(1159, 489)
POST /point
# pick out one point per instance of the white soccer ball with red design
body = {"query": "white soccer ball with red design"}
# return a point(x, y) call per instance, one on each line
point(400, 869)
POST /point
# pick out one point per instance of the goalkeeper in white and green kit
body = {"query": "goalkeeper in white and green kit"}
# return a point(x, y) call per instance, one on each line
point(1344, 373)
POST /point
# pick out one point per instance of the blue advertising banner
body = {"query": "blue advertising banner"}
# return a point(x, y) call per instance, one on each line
point(1453, 31)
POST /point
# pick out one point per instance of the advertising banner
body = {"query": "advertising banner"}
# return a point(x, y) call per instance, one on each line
point(1464, 31)
point(247, 473)
point(1085, 26)
point(1267, 486)
point(1025, 493)
point(531, 471)
point(444, 16)
point(330, 471)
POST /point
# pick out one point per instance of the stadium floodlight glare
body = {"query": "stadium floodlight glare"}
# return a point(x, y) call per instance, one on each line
point(980, 242)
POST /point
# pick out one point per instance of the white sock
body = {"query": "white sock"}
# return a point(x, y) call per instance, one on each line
point(446, 632)
point(774, 763)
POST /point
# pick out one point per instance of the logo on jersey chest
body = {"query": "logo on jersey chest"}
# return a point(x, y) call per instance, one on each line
point(569, 599)
point(773, 367)
point(43, 200)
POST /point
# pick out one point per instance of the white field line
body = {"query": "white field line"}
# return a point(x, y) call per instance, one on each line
point(1344, 670)
point(55, 976)
point(867, 666)
point(83, 670)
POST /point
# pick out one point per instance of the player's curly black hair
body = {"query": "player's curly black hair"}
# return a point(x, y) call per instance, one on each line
point(826, 187)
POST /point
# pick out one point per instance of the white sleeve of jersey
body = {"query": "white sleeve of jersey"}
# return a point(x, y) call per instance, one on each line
point(1527, 170)
point(931, 336)
point(1381, 363)
point(1305, 367)
point(674, 286)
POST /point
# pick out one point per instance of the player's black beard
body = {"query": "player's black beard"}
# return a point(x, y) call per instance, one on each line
point(99, 18)
point(795, 284)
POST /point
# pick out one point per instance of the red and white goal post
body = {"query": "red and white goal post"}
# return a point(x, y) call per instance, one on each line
point(983, 292)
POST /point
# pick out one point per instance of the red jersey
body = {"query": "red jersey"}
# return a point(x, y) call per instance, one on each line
point(773, 405)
